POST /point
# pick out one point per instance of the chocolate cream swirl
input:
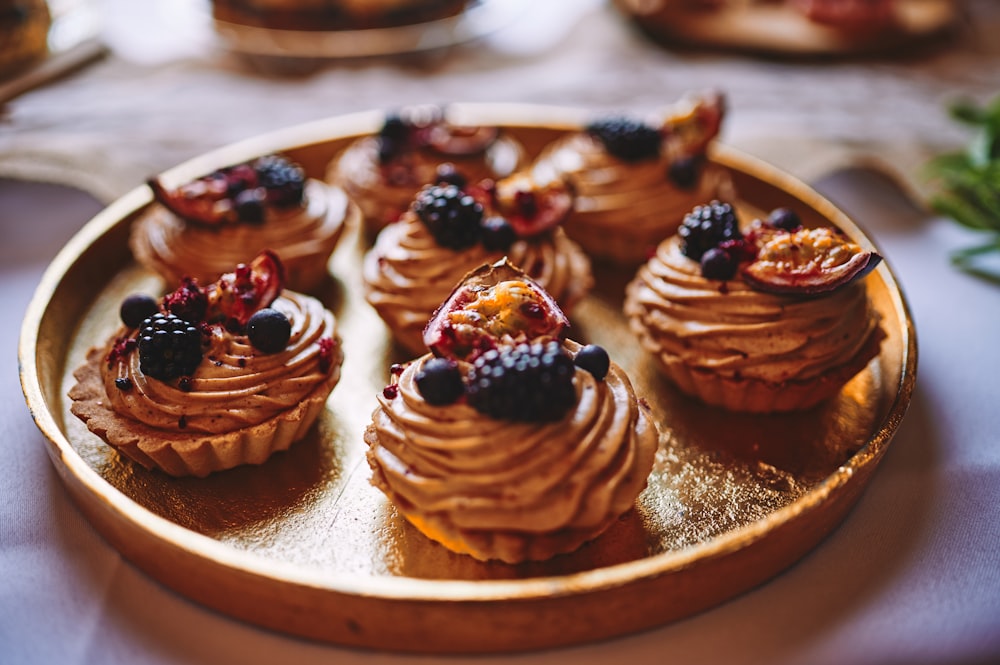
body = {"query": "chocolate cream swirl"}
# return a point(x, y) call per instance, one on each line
point(454, 466)
point(407, 274)
point(299, 234)
point(235, 385)
point(730, 329)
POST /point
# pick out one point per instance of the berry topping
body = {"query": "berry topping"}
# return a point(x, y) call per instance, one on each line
point(189, 301)
point(494, 304)
point(452, 216)
point(282, 180)
point(527, 382)
point(530, 207)
point(785, 219)
point(136, 308)
point(684, 171)
point(497, 233)
point(440, 381)
point(169, 347)
point(626, 138)
point(268, 330)
point(236, 295)
point(235, 194)
point(123, 384)
point(708, 226)
point(594, 359)
point(718, 264)
point(447, 174)
point(327, 346)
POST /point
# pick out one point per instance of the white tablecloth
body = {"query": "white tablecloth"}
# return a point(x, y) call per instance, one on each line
point(912, 576)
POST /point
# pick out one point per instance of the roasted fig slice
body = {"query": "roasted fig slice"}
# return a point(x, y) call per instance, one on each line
point(806, 262)
point(530, 207)
point(693, 122)
point(236, 193)
point(235, 297)
point(493, 303)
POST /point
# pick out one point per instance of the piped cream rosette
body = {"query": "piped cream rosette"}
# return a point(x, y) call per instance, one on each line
point(745, 350)
point(239, 406)
point(512, 491)
point(303, 236)
point(624, 208)
point(509, 486)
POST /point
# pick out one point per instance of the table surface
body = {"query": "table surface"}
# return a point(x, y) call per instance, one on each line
point(913, 574)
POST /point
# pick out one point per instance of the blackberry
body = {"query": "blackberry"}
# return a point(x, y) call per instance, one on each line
point(527, 382)
point(268, 330)
point(718, 264)
point(169, 347)
point(594, 359)
point(785, 219)
point(626, 138)
point(452, 216)
point(136, 308)
point(284, 180)
point(440, 381)
point(708, 226)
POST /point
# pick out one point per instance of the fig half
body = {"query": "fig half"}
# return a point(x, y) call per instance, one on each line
point(235, 297)
point(807, 262)
point(493, 303)
point(530, 207)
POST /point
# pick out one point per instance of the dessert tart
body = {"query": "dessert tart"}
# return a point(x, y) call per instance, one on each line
point(24, 33)
point(770, 317)
point(383, 172)
point(333, 14)
point(204, 227)
point(635, 179)
point(507, 442)
point(209, 378)
point(451, 228)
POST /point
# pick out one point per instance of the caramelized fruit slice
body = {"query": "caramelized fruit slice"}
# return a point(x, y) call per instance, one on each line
point(693, 122)
point(235, 297)
point(530, 207)
point(495, 302)
point(807, 262)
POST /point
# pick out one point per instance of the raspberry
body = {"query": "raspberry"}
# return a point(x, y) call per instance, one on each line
point(283, 180)
point(188, 301)
point(452, 216)
point(527, 382)
point(626, 138)
point(169, 347)
point(708, 226)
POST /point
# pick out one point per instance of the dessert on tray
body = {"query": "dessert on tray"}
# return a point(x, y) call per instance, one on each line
point(451, 228)
point(506, 441)
point(763, 318)
point(635, 179)
point(204, 227)
point(209, 378)
point(333, 14)
point(383, 172)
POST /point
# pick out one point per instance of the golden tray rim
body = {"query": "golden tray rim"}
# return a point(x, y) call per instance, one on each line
point(499, 615)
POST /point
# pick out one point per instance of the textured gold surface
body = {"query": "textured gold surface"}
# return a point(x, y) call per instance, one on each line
point(733, 499)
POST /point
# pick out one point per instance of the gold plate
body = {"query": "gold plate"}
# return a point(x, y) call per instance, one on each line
point(775, 29)
point(303, 543)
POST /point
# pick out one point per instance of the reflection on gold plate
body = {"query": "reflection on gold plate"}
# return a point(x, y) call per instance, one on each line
point(303, 544)
point(770, 27)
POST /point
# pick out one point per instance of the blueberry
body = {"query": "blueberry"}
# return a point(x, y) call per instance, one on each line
point(440, 381)
point(498, 234)
point(718, 264)
point(268, 330)
point(250, 205)
point(447, 173)
point(137, 308)
point(785, 219)
point(594, 359)
point(684, 172)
